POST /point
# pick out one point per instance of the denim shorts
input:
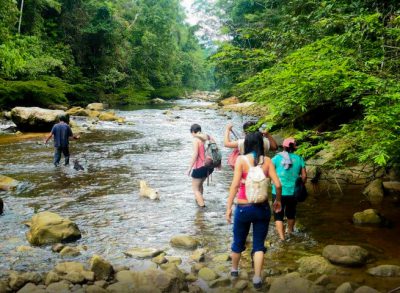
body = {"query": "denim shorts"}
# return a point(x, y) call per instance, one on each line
point(244, 216)
point(201, 172)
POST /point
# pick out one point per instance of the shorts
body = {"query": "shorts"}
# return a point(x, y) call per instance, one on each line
point(202, 172)
point(289, 204)
point(246, 216)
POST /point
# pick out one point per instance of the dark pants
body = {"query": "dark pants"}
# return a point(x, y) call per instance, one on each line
point(244, 217)
point(57, 155)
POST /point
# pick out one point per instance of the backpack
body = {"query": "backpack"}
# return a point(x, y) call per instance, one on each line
point(300, 190)
point(256, 184)
point(212, 154)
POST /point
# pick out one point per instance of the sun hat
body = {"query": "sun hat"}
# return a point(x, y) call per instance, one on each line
point(287, 141)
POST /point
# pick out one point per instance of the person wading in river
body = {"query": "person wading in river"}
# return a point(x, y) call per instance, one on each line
point(61, 133)
point(249, 211)
point(197, 170)
point(289, 167)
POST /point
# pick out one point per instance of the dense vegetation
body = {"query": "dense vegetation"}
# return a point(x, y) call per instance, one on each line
point(77, 51)
point(329, 70)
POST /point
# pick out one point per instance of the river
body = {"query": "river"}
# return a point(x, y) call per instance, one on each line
point(155, 146)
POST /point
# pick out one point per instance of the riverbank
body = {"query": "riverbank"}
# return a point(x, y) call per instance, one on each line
point(104, 201)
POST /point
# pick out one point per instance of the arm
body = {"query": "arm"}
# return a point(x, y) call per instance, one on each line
point(304, 174)
point(273, 146)
point(237, 175)
point(71, 135)
point(278, 186)
point(194, 155)
point(48, 137)
point(203, 137)
point(227, 140)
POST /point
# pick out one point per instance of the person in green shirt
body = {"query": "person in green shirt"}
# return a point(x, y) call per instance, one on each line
point(289, 167)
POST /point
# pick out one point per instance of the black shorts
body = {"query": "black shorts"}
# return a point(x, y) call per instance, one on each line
point(289, 204)
point(202, 172)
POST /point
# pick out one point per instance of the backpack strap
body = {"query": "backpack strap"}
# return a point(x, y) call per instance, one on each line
point(247, 161)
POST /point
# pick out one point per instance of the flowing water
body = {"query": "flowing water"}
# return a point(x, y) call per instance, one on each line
point(155, 146)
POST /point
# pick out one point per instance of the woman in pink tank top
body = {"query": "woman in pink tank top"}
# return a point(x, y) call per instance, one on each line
point(197, 170)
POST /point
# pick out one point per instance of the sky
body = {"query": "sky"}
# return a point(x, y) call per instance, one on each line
point(191, 17)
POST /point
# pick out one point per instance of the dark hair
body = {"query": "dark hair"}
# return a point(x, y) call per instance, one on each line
point(291, 148)
point(195, 128)
point(253, 142)
point(248, 125)
point(64, 118)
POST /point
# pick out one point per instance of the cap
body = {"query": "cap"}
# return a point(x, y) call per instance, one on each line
point(287, 141)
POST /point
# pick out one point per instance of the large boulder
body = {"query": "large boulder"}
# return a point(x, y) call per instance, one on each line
point(34, 118)
point(392, 186)
point(77, 111)
point(102, 269)
point(374, 191)
point(367, 217)
point(385, 271)
point(47, 228)
point(108, 116)
point(229, 101)
point(7, 183)
point(95, 107)
point(315, 264)
point(348, 255)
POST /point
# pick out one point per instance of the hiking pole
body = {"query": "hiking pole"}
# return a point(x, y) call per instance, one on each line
point(234, 134)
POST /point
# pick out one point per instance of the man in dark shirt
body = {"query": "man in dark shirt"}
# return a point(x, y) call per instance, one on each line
point(61, 133)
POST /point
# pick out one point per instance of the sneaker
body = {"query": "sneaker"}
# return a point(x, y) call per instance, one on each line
point(235, 274)
point(257, 286)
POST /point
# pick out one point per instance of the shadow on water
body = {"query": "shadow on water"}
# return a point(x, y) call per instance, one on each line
point(155, 146)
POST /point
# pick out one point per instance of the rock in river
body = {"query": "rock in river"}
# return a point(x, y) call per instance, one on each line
point(34, 118)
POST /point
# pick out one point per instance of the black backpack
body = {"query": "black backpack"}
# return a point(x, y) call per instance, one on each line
point(300, 190)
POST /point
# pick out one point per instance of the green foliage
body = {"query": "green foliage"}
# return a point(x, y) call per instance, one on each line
point(329, 58)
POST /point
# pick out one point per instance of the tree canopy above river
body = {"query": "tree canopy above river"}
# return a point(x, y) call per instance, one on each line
point(327, 70)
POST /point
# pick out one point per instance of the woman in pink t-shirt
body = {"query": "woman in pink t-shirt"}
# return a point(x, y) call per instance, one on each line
point(197, 169)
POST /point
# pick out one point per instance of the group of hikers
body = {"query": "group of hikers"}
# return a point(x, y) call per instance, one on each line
point(249, 188)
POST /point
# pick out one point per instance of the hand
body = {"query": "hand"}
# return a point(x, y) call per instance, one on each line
point(229, 126)
point(277, 206)
point(228, 216)
point(189, 171)
point(45, 141)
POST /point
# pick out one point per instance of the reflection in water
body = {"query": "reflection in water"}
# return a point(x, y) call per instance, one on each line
point(104, 198)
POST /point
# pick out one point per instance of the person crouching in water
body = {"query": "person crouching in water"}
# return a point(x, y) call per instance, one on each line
point(247, 213)
point(197, 170)
point(289, 167)
point(61, 133)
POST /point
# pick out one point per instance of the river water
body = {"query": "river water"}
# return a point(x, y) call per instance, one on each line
point(155, 145)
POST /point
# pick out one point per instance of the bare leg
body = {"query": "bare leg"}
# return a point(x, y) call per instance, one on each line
point(258, 258)
point(280, 229)
point(291, 223)
point(197, 186)
point(235, 260)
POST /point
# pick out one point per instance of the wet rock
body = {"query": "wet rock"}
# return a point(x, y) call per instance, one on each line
point(367, 217)
point(159, 259)
point(74, 277)
point(108, 116)
point(66, 267)
point(385, 271)
point(197, 267)
point(31, 288)
point(195, 289)
point(77, 111)
point(138, 252)
point(58, 287)
point(247, 108)
point(69, 251)
point(294, 283)
point(95, 107)
point(95, 289)
point(17, 280)
point(174, 259)
point(7, 183)
point(57, 247)
point(241, 285)
point(348, 255)
point(198, 255)
point(220, 282)
point(93, 114)
point(365, 289)
point(229, 101)
point(101, 283)
point(51, 277)
point(322, 280)
point(392, 186)
point(47, 228)
point(224, 257)
point(35, 118)
point(344, 288)
point(157, 101)
point(314, 264)
point(191, 278)
point(3, 287)
point(184, 241)
point(23, 248)
point(207, 274)
point(374, 191)
point(102, 269)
